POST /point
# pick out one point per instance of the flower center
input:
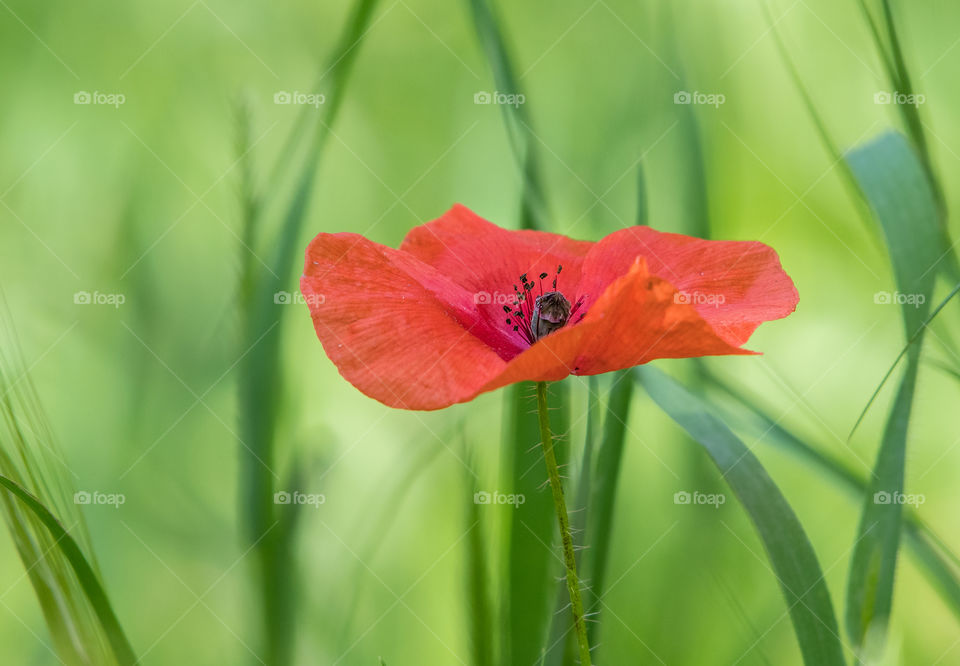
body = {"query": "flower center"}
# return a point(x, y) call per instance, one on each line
point(533, 317)
point(550, 312)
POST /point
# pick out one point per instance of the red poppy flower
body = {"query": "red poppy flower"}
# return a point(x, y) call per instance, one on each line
point(465, 307)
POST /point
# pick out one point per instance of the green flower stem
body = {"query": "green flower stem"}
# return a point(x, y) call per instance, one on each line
point(560, 506)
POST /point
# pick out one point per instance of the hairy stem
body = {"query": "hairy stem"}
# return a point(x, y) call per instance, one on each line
point(560, 506)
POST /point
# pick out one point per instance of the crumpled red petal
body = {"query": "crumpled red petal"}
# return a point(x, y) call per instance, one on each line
point(394, 327)
point(734, 285)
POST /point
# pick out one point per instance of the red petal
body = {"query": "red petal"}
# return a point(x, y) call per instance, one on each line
point(488, 261)
point(636, 320)
point(733, 285)
point(395, 328)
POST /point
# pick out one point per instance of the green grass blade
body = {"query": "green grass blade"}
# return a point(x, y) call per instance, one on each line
point(873, 565)
point(337, 69)
point(30, 458)
point(604, 493)
point(833, 151)
point(692, 176)
point(518, 124)
point(478, 582)
point(643, 202)
point(532, 562)
point(901, 199)
point(938, 563)
point(81, 567)
point(900, 81)
point(261, 381)
point(903, 352)
point(791, 555)
point(910, 112)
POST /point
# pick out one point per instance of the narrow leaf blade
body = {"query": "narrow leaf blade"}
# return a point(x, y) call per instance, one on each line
point(791, 555)
point(899, 193)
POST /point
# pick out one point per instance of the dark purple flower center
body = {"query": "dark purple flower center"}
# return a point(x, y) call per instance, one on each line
point(533, 317)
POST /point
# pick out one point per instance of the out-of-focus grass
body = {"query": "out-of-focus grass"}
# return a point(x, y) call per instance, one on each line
point(78, 178)
point(34, 475)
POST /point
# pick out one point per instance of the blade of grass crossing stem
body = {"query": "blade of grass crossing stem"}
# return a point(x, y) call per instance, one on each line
point(532, 564)
point(938, 563)
point(260, 384)
point(519, 132)
point(792, 557)
point(604, 494)
point(84, 572)
point(901, 199)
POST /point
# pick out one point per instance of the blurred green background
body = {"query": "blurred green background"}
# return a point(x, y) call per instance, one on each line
point(143, 200)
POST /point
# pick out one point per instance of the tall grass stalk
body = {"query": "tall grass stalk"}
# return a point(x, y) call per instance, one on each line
point(261, 378)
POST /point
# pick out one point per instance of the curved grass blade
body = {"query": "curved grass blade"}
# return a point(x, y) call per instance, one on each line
point(519, 132)
point(903, 352)
point(900, 196)
point(793, 559)
point(836, 156)
point(81, 567)
point(30, 457)
point(899, 78)
point(938, 563)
